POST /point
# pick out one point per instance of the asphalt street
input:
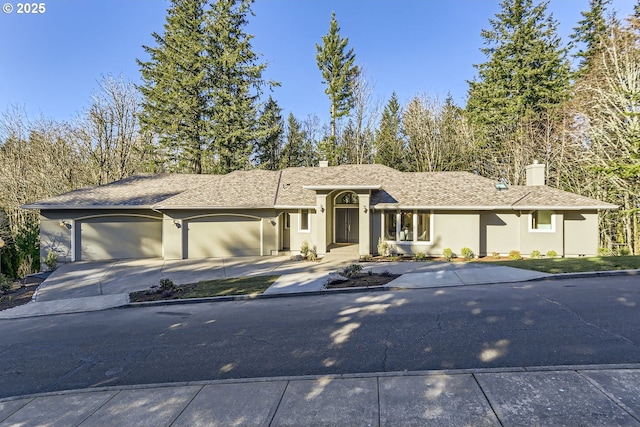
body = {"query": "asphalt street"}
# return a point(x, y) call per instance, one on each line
point(558, 322)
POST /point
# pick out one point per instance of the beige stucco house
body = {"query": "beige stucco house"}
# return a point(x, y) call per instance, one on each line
point(260, 212)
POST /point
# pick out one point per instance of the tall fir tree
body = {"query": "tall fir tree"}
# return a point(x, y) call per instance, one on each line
point(590, 34)
point(293, 151)
point(527, 72)
point(175, 89)
point(518, 91)
point(390, 146)
point(339, 71)
point(236, 80)
point(201, 87)
point(269, 143)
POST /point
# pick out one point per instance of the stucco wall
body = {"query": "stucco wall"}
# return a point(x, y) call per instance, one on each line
point(499, 232)
point(580, 233)
point(55, 235)
point(455, 230)
point(542, 241)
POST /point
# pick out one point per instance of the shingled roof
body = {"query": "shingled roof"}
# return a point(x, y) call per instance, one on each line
point(296, 187)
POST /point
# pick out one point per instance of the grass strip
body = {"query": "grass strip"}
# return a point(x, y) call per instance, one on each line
point(575, 265)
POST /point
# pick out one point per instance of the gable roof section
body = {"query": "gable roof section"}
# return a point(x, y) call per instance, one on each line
point(239, 189)
point(296, 188)
point(139, 191)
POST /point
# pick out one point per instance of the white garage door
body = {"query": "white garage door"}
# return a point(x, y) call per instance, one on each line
point(120, 238)
point(223, 236)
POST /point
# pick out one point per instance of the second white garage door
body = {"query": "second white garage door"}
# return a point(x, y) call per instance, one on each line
point(223, 236)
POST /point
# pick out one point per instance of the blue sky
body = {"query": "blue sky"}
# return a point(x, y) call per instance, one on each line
point(50, 63)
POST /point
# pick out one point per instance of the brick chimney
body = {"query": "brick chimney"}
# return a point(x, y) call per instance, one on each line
point(535, 173)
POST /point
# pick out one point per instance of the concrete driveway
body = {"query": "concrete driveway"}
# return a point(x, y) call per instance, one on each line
point(88, 279)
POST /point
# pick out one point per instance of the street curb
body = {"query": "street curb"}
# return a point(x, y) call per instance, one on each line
point(255, 297)
point(560, 276)
point(433, 372)
point(587, 274)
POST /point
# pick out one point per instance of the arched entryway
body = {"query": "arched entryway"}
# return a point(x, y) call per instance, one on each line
point(346, 225)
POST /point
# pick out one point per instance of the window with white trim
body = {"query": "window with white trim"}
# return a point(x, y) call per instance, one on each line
point(304, 224)
point(407, 226)
point(542, 221)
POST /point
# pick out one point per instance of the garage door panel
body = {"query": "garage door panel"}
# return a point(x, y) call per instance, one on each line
point(120, 238)
point(223, 236)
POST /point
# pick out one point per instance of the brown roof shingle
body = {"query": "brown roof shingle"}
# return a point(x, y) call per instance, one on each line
point(295, 187)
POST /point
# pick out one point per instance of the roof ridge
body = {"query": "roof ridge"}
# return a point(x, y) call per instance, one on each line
point(275, 197)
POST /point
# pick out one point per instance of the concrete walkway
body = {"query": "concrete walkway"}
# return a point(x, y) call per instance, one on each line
point(570, 396)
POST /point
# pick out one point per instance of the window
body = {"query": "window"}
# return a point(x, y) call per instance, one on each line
point(542, 221)
point(423, 230)
point(347, 199)
point(304, 220)
point(390, 226)
point(407, 226)
point(287, 220)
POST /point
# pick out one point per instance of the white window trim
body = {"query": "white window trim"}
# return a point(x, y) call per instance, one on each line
point(398, 213)
point(542, 230)
point(300, 229)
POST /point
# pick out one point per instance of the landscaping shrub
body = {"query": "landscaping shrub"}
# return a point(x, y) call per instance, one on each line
point(552, 254)
point(304, 249)
point(25, 266)
point(496, 255)
point(5, 284)
point(383, 247)
point(467, 253)
point(51, 261)
point(366, 258)
point(313, 254)
point(515, 255)
point(352, 270)
point(535, 254)
point(386, 273)
point(624, 251)
point(447, 253)
point(420, 256)
point(167, 284)
point(604, 252)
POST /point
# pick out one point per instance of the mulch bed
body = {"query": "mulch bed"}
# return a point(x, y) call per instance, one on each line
point(363, 280)
point(20, 294)
point(158, 295)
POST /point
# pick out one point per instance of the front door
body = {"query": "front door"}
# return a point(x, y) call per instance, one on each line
point(347, 225)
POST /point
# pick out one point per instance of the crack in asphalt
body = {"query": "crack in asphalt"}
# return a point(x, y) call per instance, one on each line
point(583, 320)
point(386, 350)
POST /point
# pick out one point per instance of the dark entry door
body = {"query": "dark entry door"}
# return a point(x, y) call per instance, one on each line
point(346, 225)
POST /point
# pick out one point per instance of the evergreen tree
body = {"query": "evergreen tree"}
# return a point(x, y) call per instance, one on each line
point(339, 71)
point(390, 145)
point(591, 32)
point(175, 87)
point(269, 145)
point(201, 87)
point(526, 73)
point(236, 80)
point(519, 90)
point(293, 152)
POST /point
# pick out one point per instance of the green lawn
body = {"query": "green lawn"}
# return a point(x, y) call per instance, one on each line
point(574, 265)
point(235, 286)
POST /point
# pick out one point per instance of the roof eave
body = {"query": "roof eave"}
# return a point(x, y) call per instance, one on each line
point(342, 187)
point(34, 206)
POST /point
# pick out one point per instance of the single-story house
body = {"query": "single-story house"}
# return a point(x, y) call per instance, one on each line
point(259, 212)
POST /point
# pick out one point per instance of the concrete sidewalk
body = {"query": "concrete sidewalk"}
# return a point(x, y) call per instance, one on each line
point(569, 396)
